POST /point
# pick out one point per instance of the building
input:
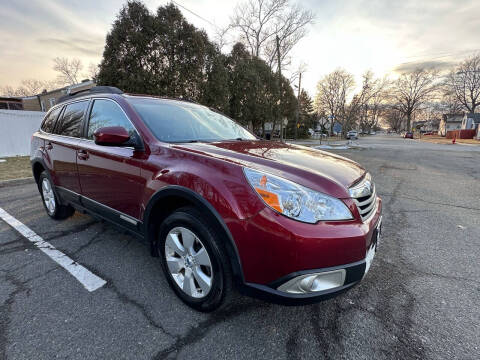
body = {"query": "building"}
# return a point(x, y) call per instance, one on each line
point(45, 100)
point(31, 103)
point(450, 122)
point(427, 126)
point(49, 98)
point(11, 103)
point(471, 121)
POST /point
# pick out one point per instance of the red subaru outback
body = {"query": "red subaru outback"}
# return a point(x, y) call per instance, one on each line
point(221, 208)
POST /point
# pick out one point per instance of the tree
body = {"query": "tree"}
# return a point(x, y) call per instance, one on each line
point(372, 101)
point(252, 87)
point(259, 22)
point(306, 116)
point(464, 83)
point(92, 72)
point(412, 90)
point(332, 93)
point(8, 91)
point(162, 54)
point(69, 70)
point(159, 54)
point(28, 87)
point(394, 118)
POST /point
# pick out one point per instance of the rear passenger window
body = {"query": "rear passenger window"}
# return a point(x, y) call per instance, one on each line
point(107, 113)
point(49, 122)
point(71, 122)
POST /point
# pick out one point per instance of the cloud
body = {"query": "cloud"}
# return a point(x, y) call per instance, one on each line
point(82, 47)
point(429, 64)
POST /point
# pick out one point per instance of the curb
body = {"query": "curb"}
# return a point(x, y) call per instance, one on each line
point(20, 181)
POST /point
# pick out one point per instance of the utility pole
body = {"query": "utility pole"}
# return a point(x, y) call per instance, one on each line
point(297, 115)
point(279, 89)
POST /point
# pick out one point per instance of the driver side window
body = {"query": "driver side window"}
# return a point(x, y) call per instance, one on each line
point(107, 113)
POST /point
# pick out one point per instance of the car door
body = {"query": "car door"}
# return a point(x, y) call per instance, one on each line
point(61, 148)
point(110, 175)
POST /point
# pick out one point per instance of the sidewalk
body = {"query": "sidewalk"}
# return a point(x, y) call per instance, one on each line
point(441, 140)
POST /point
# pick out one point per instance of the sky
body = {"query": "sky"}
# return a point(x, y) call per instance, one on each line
point(384, 36)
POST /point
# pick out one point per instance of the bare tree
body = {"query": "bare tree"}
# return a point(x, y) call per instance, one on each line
point(449, 102)
point(69, 70)
point(394, 118)
point(28, 87)
point(8, 91)
point(373, 97)
point(464, 83)
point(92, 72)
point(412, 90)
point(33, 87)
point(261, 21)
point(332, 93)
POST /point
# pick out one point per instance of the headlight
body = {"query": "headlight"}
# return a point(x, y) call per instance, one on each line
point(296, 201)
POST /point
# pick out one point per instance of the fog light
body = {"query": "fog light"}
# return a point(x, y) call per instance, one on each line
point(310, 283)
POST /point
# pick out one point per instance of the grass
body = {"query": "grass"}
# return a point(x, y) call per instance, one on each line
point(15, 167)
point(441, 140)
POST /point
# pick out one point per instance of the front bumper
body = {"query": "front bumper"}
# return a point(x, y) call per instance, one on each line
point(352, 273)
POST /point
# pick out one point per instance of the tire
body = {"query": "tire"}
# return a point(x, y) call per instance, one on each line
point(207, 280)
point(52, 205)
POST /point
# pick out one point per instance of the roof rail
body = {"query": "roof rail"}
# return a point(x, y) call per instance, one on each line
point(93, 90)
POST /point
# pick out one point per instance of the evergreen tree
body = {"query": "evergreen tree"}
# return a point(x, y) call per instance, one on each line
point(125, 58)
point(164, 55)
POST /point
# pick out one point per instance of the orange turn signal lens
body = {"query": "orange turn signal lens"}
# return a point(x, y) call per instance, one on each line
point(270, 198)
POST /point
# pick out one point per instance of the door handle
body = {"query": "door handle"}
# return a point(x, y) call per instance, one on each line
point(82, 154)
point(49, 146)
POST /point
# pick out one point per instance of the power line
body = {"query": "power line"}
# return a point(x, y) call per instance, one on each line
point(194, 13)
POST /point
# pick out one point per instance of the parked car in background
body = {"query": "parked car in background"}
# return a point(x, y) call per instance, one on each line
point(220, 208)
point(408, 135)
point(352, 134)
point(372, 132)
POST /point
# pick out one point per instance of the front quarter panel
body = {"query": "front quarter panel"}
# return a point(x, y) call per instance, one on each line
point(220, 183)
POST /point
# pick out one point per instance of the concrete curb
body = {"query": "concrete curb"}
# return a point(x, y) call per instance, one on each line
point(14, 182)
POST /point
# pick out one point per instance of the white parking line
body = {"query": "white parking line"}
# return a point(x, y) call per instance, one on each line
point(89, 280)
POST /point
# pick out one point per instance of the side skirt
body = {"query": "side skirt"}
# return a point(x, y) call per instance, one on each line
point(94, 208)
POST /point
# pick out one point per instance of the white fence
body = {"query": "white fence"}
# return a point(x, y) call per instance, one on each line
point(16, 129)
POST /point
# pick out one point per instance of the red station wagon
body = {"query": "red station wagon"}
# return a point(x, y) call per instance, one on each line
point(222, 209)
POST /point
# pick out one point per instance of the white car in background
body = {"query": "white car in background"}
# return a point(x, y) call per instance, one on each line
point(352, 135)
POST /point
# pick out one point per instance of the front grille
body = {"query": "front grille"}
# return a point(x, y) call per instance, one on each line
point(366, 204)
point(365, 196)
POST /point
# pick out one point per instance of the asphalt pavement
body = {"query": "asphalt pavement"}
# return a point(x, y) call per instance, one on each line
point(420, 300)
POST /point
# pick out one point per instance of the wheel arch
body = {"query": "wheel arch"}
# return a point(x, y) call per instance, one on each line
point(38, 166)
point(170, 198)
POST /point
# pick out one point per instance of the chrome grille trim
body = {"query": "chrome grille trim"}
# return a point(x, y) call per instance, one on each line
point(368, 205)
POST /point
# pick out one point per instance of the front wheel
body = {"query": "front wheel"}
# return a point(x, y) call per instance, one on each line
point(193, 259)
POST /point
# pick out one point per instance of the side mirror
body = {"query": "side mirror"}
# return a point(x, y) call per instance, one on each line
point(111, 135)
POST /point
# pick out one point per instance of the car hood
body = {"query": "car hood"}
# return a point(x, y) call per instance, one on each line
point(315, 169)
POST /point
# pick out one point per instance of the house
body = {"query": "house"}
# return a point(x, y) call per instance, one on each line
point(49, 98)
point(31, 103)
point(11, 103)
point(424, 126)
point(45, 100)
point(471, 121)
point(450, 122)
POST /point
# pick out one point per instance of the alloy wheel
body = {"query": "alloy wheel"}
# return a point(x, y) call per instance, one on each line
point(188, 262)
point(48, 196)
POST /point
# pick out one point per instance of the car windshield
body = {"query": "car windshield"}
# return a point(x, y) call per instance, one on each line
point(176, 121)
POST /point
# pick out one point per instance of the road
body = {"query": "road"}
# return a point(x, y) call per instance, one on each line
point(420, 300)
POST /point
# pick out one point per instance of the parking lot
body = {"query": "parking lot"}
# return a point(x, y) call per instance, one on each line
point(421, 298)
